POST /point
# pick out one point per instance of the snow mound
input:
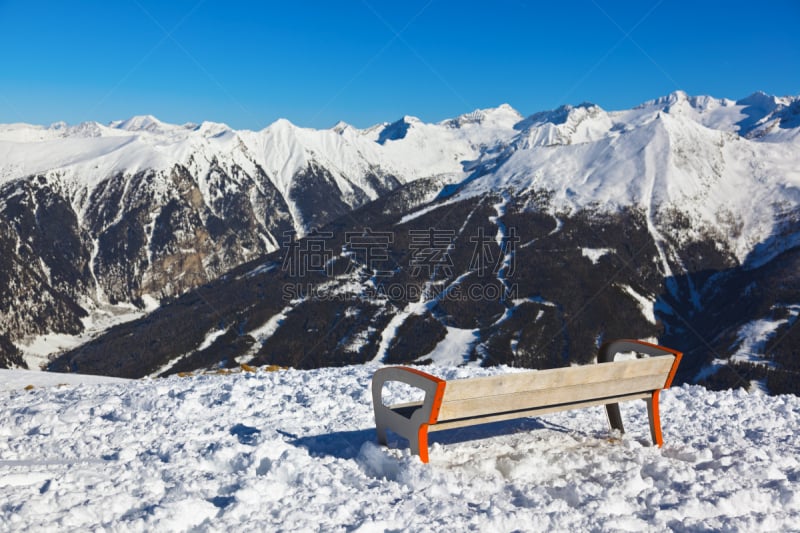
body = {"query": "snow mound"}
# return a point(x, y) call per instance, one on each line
point(15, 380)
point(294, 450)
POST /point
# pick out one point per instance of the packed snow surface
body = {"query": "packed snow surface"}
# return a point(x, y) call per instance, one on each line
point(295, 451)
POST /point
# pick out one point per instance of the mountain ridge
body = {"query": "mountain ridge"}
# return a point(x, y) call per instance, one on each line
point(710, 183)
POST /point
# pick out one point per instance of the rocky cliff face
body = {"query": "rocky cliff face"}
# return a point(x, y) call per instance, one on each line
point(147, 235)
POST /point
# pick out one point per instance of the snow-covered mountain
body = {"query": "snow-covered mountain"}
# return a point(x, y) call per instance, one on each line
point(729, 167)
point(95, 218)
point(678, 219)
point(296, 451)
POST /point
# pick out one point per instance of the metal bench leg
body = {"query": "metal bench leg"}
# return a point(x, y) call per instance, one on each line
point(381, 431)
point(419, 443)
point(655, 419)
point(614, 417)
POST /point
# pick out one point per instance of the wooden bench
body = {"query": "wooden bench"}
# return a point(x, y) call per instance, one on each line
point(466, 402)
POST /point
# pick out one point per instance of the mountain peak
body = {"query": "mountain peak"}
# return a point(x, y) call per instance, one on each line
point(281, 124)
point(341, 126)
point(147, 123)
point(760, 100)
point(213, 129)
point(503, 112)
point(397, 130)
point(675, 97)
point(561, 115)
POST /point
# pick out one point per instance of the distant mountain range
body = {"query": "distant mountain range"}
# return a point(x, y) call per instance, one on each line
point(488, 238)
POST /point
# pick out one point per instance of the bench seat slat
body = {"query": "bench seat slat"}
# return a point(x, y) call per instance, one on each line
point(464, 422)
point(545, 379)
point(500, 403)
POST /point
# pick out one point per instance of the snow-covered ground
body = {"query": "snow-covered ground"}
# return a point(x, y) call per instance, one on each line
point(16, 380)
point(295, 451)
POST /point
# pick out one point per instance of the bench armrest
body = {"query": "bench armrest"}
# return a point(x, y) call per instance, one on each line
point(610, 349)
point(413, 427)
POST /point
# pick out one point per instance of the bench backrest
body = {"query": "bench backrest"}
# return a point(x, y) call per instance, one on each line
point(482, 396)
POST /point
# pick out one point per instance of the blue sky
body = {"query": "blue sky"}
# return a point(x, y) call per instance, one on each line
point(369, 61)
